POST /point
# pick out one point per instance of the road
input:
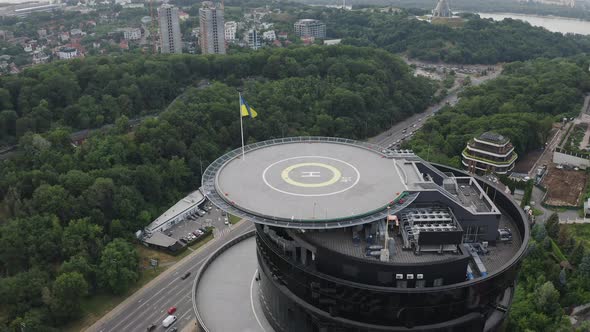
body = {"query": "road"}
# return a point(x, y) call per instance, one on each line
point(396, 134)
point(149, 304)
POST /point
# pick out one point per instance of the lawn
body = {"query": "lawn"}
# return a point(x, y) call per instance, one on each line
point(580, 232)
point(234, 219)
point(95, 307)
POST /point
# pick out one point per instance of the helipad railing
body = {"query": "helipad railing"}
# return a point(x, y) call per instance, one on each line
point(210, 178)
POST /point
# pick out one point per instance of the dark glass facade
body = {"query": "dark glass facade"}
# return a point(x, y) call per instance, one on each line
point(320, 296)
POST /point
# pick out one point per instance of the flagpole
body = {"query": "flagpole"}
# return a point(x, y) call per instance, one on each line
point(242, 126)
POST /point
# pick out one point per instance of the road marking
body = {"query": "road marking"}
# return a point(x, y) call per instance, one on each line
point(252, 300)
point(132, 314)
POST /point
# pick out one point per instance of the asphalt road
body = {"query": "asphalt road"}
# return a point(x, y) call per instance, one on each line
point(149, 305)
point(396, 134)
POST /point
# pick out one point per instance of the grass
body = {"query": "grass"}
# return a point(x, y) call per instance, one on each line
point(581, 232)
point(234, 219)
point(557, 252)
point(98, 305)
point(537, 212)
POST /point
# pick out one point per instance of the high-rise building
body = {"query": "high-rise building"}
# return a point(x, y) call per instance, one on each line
point(230, 30)
point(253, 39)
point(354, 237)
point(490, 152)
point(170, 38)
point(310, 28)
point(212, 37)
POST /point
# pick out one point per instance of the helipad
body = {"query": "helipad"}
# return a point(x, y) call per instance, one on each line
point(309, 182)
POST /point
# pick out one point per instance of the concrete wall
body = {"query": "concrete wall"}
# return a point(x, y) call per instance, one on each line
point(562, 158)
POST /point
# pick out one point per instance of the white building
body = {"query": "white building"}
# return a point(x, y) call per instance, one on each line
point(231, 28)
point(131, 33)
point(310, 28)
point(212, 38)
point(253, 39)
point(269, 35)
point(170, 38)
point(65, 53)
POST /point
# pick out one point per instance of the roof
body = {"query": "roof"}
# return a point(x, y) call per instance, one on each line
point(192, 199)
point(320, 182)
point(493, 137)
point(160, 239)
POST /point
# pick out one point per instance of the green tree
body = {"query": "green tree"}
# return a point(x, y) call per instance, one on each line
point(82, 237)
point(67, 292)
point(118, 268)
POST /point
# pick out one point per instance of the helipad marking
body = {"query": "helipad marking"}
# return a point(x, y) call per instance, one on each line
point(336, 175)
point(358, 177)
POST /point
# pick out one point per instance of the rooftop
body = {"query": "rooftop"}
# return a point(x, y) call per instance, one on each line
point(493, 137)
point(342, 241)
point(316, 182)
point(192, 199)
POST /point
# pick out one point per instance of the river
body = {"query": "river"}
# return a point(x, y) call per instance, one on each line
point(551, 23)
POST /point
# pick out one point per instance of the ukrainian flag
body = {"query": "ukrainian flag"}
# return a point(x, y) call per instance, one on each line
point(246, 110)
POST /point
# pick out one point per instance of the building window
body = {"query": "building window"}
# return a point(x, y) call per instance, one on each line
point(437, 282)
point(420, 283)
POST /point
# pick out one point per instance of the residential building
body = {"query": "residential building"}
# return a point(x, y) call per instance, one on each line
point(212, 33)
point(309, 27)
point(170, 38)
point(269, 35)
point(65, 53)
point(183, 16)
point(253, 39)
point(490, 152)
point(332, 41)
point(131, 33)
point(283, 35)
point(230, 30)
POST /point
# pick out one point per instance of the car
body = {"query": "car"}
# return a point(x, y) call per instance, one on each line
point(420, 119)
point(183, 240)
point(151, 327)
point(203, 229)
point(171, 310)
point(226, 222)
point(201, 212)
point(186, 275)
point(414, 125)
point(174, 329)
point(169, 321)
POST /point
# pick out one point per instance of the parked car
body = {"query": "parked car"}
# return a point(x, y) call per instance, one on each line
point(151, 327)
point(171, 310)
point(169, 321)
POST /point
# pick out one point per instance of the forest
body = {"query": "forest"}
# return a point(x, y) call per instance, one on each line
point(480, 41)
point(522, 104)
point(68, 213)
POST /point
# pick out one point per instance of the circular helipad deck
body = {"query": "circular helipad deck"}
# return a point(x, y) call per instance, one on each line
point(309, 182)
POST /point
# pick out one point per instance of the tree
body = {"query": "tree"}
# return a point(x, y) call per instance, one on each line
point(584, 267)
point(546, 300)
point(577, 254)
point(82, 237)
point(118, 266)
point(67, 292)
point(552, 226)
point(51, 199)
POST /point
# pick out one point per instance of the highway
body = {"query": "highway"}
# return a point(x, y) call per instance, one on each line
point(149, 305)
point(395, 135)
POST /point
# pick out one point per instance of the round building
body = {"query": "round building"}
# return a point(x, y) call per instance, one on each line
point(354, 237)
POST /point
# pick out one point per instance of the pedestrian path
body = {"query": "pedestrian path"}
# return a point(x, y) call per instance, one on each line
point(221, 232)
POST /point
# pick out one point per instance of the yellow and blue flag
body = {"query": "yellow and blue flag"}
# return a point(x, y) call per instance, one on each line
point(246, 110)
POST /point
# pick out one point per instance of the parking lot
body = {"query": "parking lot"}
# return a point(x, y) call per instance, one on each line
point(213, 218)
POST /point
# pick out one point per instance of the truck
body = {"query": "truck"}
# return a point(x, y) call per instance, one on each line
point(168, 321)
